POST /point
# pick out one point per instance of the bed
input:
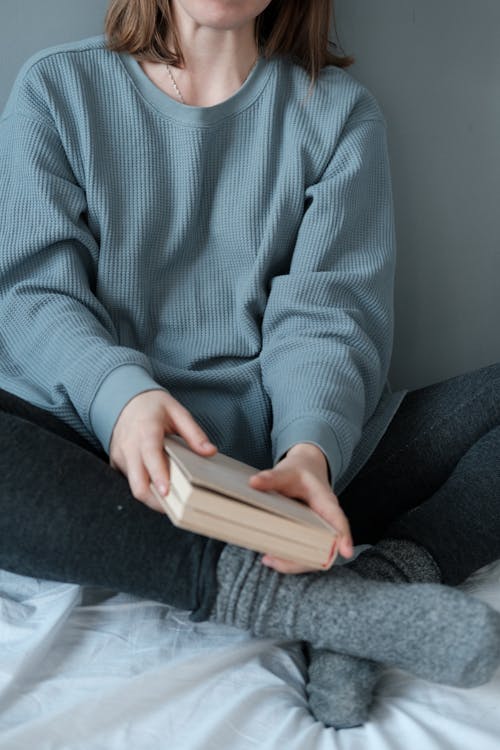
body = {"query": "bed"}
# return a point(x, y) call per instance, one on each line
point(89, 669)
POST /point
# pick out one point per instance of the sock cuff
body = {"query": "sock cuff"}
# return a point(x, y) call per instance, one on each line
point(235, 566)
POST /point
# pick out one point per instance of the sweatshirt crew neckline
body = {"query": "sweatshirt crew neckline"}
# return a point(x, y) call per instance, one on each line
point(248, 92)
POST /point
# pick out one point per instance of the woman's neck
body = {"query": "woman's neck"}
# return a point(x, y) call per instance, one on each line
point(217, 60)
point(203, 90)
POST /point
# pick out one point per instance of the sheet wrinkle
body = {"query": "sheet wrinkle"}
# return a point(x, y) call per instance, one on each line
point(86, 670)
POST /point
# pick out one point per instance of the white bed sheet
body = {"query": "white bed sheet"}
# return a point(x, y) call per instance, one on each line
point(84, 669)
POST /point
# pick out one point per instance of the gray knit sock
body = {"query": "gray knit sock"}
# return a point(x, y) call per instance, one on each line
point(397, 560)
point(340, 687)
point(432, 631)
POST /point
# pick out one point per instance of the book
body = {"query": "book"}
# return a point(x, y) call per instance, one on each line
point(210, 495)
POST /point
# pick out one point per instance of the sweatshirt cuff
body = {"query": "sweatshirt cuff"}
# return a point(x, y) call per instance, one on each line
point(315, 431)
point(114, 393)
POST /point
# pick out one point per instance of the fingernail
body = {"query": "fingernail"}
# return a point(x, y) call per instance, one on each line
point(207, 444)
point(162, 489)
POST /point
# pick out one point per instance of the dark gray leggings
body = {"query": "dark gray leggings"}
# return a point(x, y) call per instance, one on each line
point(435, 475)
point(66, 515)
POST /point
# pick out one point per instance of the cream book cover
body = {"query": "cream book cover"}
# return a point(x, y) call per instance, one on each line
point(210, 495)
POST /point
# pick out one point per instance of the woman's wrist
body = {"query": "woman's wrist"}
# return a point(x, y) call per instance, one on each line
point(309, 451)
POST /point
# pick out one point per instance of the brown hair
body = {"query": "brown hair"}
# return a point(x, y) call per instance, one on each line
point(298, 28)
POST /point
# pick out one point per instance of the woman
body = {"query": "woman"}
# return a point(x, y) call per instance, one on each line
point(197, 238)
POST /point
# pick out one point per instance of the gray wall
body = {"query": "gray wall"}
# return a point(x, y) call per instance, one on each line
point(27, 26)
point(434, 66)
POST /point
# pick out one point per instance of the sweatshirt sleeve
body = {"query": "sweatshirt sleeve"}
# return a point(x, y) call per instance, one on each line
point(327, 329)
point(55, 335)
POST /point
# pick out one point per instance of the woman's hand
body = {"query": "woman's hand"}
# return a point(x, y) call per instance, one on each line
point(303, 474)
point(136, 447)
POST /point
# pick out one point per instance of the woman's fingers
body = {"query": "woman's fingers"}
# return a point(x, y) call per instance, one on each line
point(137, 442)
point(138, 479)
point(190, 430)
point(296, 481)
point(157, 464)
point(333, 514)
point(155, 458)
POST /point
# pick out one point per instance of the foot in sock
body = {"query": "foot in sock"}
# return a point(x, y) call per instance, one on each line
point(340, 687)
point(429, 630)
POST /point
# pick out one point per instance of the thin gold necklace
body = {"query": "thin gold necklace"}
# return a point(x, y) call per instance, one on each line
point(177, 88)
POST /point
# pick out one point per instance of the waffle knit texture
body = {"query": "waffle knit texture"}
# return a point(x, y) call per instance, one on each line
point(240, 256)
